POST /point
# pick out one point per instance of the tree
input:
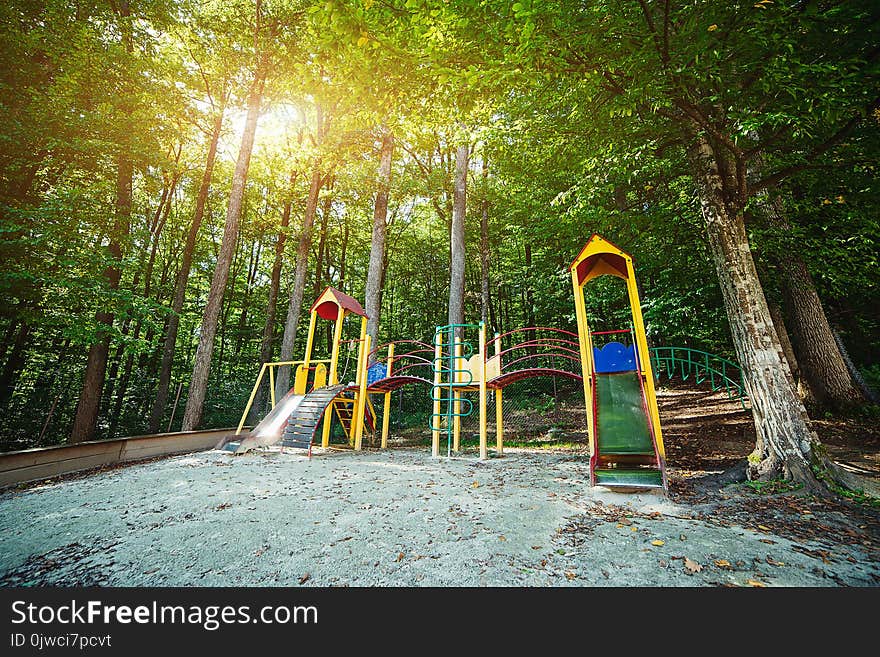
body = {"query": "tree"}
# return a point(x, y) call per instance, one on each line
point(192, 415)
point(376, 270)
point(456, 238)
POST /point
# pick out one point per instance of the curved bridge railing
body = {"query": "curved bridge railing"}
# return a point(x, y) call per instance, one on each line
point(685, 363)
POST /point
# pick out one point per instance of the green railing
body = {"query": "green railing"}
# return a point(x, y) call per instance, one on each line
point(450, 366)
point(703, 366)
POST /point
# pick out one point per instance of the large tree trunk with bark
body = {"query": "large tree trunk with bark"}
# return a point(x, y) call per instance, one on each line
point(272, 302)
point(282, 380)
point(822, 365)
point(456, 242)
point(89, 404)
point(485, 300)
point(786, 446)
point(180, 284)
point(195, 401)
point(376, 268)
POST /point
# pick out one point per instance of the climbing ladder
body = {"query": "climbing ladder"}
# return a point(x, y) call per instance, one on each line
point(452, 376)
point(344, 408)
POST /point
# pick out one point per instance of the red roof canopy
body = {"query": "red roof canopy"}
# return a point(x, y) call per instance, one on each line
point(331, 300)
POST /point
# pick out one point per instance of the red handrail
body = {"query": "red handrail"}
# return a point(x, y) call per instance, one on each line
point(610, 332)
point(532, 328)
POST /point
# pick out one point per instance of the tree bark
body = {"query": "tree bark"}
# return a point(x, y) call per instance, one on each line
point(485, 301)
point(786, 446)
point(803, 387)
point(373, 294)
point(820, 359)
point(456, 242)
point(168, 347)
point(89, 404)
point(282, 380)
point(272, 302)
point(823, 367)
point(195, 401)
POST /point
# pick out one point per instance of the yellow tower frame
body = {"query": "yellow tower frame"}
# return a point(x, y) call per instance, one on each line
point(600, 257)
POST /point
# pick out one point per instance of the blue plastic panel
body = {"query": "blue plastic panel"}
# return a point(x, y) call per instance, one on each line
point(614, 357)
point(376, 372)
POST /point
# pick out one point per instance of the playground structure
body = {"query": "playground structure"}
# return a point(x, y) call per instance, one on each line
point(293, 420)
point(623, 424)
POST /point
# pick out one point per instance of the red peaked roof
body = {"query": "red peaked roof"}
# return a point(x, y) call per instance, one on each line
point(328, 303)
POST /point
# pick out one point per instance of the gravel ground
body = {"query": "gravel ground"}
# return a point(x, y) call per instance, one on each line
point(392, 518)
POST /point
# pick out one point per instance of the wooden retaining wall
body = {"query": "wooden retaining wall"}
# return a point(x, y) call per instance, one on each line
point(46, 462)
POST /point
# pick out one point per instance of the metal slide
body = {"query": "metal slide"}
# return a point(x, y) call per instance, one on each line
point(268, 431)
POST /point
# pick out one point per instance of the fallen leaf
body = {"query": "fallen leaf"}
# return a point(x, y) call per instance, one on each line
point(765, 528)
point(502, 537)
point(692, 566)
point(625, 521)
point(756, 583)
point(536, 547)
point(635, 529)
point(767, 541)
point(773, 561)
point(400, 556)
point(476, 484)
point(682, 537)
point(570, 576)
point(259, 552)
point(658, 543)
point(305, 578)
point(722, 563)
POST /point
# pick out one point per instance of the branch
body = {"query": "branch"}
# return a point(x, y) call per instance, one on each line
point(835, 139)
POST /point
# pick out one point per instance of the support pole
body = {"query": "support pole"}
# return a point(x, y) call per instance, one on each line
point(386, 411)
point(337, 339)
point(251, 398)
point(484, 452)
point(583, 343)
point(310, 341)
point(438, 380)
point(361, 402)
point(499, 405)
point(334, 376)
point(272, 384)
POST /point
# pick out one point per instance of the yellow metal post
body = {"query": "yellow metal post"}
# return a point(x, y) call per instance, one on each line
point(484, 452)
point(584, 344)
point(310, 340)
point(644, 355)
point(499, 404)
point(337, 339)
point(438, 380)
point(251, 399)
point(271, 384)
point(386, 410)
point(361, 401)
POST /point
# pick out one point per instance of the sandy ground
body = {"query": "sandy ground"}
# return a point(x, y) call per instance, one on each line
point(397, 518)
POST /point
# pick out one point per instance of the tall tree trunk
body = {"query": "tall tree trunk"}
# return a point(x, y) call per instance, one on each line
point(373, 294)
point(322, 267)
point(272, 303)
point(803, 386)
point(161, 399)
point(785, 444)
point(822, 365)
point(485, 301)
point(195, 401)
point(15, 363)
point(456, 242)
point(89, 404)
point(821, 362)
point(282, 380)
